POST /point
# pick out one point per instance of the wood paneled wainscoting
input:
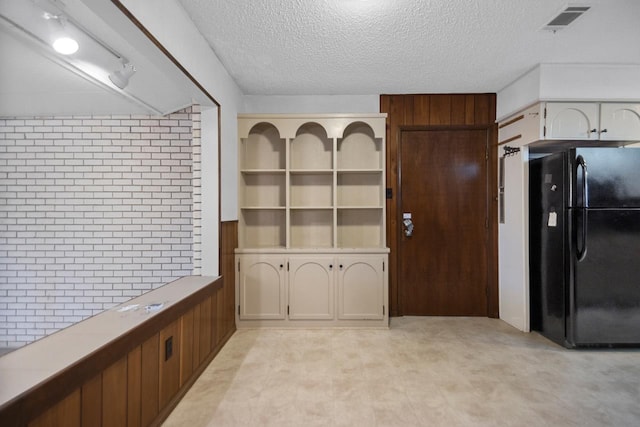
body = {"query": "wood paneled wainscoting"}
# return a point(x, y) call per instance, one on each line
point(228, 244)
point(448, 117)
point(128, 366)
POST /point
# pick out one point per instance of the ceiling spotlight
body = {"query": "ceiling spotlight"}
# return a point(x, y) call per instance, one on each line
point(65, 45)
point(120, 78)
point(62, 43)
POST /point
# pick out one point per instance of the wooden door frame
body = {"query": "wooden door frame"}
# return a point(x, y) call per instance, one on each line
point(492, 211)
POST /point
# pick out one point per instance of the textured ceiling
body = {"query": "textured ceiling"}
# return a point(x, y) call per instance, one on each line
point(292, 47)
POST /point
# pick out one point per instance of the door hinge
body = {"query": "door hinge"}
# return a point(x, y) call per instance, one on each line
point(383, 310)
point(486, 223)
point(544, 131)
point(238, 310)
point(545, 112)
point(238, 266)
point(287, 310)
point(382, 265)
point(287, 265)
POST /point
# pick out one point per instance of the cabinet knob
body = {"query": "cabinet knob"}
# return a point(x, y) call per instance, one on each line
point(281, 266)
point(330, 266)
point(594, 130)
point(340, 266)
point(603, 130)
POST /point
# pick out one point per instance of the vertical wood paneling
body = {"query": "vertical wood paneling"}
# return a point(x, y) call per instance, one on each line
point(92, 402)
point(439, 110)
point(65, 413)
point(196, 337)
point(228, 244)
point(149, 380)
point(470, 110)
point(482, 113)
point(205, 329)
point(114, 394)
point(186, 350)
point(134, 378)
point(214, 316)
point(169, 366)
point(219, 316)
point(435, 110)
point(458, 109)
point(420, 109)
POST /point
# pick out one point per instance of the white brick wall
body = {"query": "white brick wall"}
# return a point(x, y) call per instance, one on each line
point(93, 211)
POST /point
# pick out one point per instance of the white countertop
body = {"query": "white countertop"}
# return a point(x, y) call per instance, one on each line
point(26, 367)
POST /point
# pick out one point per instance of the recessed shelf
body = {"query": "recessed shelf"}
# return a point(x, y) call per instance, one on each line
point(312, 183)
point(360, 228)
point(360, 189)
point(264, 190)
point(311, 190)
point(311, 148)
point(263, 148)
point(263, 228)
point(359, 148)
point(312, 228)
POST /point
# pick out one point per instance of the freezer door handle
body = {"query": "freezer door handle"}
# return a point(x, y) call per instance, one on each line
point(585, 185)
point(582, 253)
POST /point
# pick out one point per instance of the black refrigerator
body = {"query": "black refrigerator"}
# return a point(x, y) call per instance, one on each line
point(584, 246)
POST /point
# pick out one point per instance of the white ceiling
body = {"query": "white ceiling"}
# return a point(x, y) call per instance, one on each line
point(34, 80)
point(291, 47)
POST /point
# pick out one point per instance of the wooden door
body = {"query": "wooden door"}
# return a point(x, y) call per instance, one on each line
point(444, 184)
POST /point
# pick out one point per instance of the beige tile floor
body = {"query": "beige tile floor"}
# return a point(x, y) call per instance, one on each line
point(428, 371)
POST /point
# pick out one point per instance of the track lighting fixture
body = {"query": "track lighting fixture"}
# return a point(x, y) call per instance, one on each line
point(120, 77)
point(62, 42)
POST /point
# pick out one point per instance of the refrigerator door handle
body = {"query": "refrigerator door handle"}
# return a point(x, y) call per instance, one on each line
point(582, 253)
point(585, 185)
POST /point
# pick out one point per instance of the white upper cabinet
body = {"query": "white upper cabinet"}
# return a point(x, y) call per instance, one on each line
point(620, 122)
point(605, 121)
point(571, 120)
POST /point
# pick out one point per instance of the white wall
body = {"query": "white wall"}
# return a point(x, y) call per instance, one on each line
point(592, 82)
point(524, 91)
point(312, 104)
point(209, 203)
point(569, 82)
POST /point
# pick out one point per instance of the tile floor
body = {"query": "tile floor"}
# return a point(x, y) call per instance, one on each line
point(428, 371)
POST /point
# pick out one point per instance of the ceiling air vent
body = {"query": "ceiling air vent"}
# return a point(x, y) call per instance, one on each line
point(566, 17)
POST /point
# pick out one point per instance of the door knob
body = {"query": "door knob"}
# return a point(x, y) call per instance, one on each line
point(408, 227)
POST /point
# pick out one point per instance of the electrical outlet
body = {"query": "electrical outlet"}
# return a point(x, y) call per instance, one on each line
point(168, 348)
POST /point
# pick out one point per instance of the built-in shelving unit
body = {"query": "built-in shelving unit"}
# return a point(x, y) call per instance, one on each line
point(311, 185)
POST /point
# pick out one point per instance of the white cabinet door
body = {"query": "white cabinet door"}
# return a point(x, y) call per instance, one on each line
point(620, 122)
point(571, 120)
point(311, 284)
point(361, 281)
point(262, 287)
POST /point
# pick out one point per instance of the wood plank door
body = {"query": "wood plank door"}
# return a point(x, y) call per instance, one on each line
point(444, 185)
